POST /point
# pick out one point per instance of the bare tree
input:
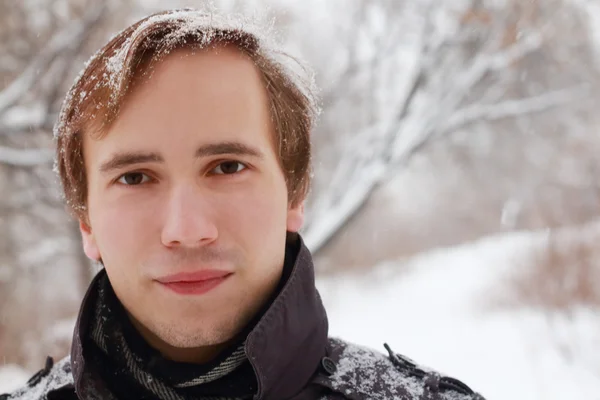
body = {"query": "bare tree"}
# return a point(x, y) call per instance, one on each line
point(436, 69)
point(40, 53)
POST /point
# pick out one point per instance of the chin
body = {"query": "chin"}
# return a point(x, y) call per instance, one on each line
point(191, 338)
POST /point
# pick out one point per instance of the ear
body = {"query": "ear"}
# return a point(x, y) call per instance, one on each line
point(90, 248)
point(295, 217)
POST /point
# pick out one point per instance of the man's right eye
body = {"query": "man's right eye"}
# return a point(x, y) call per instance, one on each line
point(133, 178)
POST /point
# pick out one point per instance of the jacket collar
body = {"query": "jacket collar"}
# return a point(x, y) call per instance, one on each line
point(284, 348)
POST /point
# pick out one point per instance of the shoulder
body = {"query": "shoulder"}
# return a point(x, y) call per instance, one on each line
point(53, 376)
point(362, 373)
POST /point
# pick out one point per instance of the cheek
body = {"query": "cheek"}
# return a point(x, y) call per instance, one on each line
point(122, 227)
point(260, 209)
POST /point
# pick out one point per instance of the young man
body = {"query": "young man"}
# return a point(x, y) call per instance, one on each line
point(184, 152)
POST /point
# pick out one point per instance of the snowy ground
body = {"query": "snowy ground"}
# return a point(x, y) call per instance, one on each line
point(12, 377)
point(438, 313)
point(435, 308)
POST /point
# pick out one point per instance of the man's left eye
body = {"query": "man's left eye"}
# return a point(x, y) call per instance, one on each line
point(229, 167)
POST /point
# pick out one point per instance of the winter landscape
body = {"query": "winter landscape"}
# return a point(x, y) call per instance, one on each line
point(455, 207)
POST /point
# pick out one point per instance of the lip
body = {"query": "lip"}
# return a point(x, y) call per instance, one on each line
point(194, 283)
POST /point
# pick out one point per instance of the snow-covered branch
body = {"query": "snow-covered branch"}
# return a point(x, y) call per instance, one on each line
point(514, 108)
point(25, 157)
point(418, 132)
point(21, 118)
point(485, 63)
point(363, 169)
point(69, 37)
point(354, 65)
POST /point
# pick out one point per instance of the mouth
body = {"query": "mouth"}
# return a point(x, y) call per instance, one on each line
point(194, 283)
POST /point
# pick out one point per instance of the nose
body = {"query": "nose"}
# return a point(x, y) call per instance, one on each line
point(188, 221)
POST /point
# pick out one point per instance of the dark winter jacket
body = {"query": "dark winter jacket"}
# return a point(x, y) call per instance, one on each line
point(290, 353)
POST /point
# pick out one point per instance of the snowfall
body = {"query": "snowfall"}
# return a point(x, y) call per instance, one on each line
point(437, 309)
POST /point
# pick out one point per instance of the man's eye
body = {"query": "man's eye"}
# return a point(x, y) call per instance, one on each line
point(133, 178)
point(229, 167)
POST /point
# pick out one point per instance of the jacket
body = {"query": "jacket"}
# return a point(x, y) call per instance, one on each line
point(290, 351)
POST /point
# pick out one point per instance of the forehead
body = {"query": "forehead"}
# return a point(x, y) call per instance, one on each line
point(195, 66)
point(208, 79)
point(216, 92)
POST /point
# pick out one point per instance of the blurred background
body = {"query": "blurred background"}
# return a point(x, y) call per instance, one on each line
point(454, 210)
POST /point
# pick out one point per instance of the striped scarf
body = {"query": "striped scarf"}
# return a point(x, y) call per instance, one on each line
point(111, 341)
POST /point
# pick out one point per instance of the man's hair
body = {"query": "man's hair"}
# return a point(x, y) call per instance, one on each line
point(93, 102)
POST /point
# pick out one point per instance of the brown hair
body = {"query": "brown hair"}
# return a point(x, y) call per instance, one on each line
point(94, 100)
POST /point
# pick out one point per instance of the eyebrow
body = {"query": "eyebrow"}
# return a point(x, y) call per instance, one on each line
point(124, 159)
point(237, 148)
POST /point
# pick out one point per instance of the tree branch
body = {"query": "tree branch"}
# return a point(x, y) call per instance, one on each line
point(25, 157)
point(414, 139)
point(18, 119)
point(62, 41)
point(513, 108)
point(484, 64)
point(365, 171)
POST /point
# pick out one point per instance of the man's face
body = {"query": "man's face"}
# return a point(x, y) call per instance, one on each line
point(187, 181)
